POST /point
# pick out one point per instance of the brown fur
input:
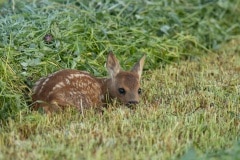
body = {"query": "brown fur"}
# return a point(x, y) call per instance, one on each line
point(78, 88)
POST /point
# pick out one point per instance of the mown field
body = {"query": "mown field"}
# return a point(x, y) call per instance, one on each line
point(191, 80)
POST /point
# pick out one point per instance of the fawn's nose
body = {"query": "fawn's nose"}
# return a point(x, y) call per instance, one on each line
point(132, 103)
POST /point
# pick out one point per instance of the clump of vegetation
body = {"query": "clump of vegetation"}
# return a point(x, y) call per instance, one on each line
point(192, 104)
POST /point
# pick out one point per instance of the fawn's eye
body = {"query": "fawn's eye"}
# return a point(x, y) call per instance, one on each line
point(121, 90)
point(139, 91)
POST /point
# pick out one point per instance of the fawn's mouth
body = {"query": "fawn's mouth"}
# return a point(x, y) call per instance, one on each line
point(131, 105)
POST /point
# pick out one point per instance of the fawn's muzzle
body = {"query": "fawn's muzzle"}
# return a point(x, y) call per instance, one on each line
point(132, 103)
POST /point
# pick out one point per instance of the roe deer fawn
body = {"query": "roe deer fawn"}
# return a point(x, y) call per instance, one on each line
point(79, 89)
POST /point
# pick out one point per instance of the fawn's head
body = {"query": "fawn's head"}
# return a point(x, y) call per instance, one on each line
point(124, 85)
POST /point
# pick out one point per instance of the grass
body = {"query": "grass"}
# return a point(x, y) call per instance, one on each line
point(190, 104)
point(196, 107)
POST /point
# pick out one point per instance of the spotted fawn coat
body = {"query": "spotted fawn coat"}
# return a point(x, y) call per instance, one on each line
point(80, 89)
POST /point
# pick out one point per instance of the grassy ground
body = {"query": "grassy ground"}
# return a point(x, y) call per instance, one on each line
point(190, 107)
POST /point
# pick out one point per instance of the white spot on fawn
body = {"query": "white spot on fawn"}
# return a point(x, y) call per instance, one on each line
point(58, 85)
point(43, 84)
point(72, 76)
point(67, 81)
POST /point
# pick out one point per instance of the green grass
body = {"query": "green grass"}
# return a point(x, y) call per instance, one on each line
point(190, 104)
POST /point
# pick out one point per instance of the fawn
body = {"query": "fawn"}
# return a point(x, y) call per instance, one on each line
point(76, 88)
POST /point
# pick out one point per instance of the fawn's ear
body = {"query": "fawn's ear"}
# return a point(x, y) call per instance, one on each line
point(138, 67)
point(113, 65)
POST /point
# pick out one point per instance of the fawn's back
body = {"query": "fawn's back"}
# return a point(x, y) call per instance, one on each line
point(78, 88)
point(67, 88)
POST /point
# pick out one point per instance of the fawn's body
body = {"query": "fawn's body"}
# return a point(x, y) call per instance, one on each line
point(78, 88)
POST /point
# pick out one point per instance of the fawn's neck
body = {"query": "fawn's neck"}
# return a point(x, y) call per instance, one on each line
point(105, 83)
